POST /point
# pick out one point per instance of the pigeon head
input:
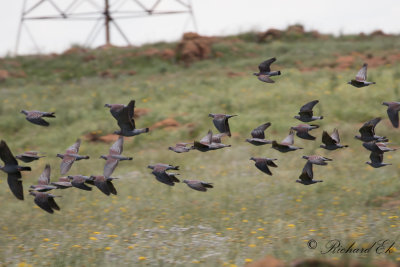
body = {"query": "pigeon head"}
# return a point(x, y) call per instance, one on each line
point(256, 74)
point(349, 82)
point(385, 103)
point(60, 156)
point(103, 157)
point(305, 157)
point(252, 158)
point(107, 105)
point(185, 181)
point(118, 132)
point(24, 112)
point(211, 115)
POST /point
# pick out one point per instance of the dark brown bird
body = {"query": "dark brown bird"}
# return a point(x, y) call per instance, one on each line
point(376, 160)
point(113, 157)
point(258, 135)
point(70, 156)
point(306, 112)
point(13, 170)
point(265, 72)
point(306, 176)
point(124, 116)
point(44, 181)
point(104, 184)
point(181, 147)
point(361, 77)
point(62, 183)
point(79, 181)
point(207, 143)
point(393, 112)
point(221, 122)
point(303, 129)
point(331, 142)
point(35, 116)
point(287, 144)
point(263, 163)
point(367, 132)
point(198, 185)
point(159, 171)
point(45, 201)
point(29, 156)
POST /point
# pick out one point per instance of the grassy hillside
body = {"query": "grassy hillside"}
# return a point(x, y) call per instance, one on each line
point(248, 214)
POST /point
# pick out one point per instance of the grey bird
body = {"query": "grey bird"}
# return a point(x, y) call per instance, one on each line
point(79, 181)
point(35, 117)
point(43, 184)
point(13, 170)
point(181, 147)
point(367, 132)
point(45, 201)
point(263, 163)
point(265, 72)
point(303, 129)
point(29, 156)
point(258, 135)
point(70, 156)
point(361, 77)
point(114, 157)
point(124, 116)
point(198, 185)
point(306, 176)
point(207, 143)
point(162, 176)
point(287, 144)
point(62, 183)
point(377, 147)
point(376, 160)
point(306, 112)
point(393, 112)
point(221, 122)
point(104, 184)
point(167, 166)
point(331, 142)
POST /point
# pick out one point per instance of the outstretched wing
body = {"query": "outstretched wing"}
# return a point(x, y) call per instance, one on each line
point(309, 106)
point(117, 147)
point(125, 117)
point(259, 131)
point(393, 116)
point(15, 184)
point(327, 139)
point(44, 178)
point(289, 140)
point(6, 155)
point(362, 73)
point(265, 66)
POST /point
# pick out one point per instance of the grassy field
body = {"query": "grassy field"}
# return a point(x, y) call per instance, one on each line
point(248, 214)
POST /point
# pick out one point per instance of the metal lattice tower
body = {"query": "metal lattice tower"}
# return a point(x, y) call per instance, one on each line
point(105, 15)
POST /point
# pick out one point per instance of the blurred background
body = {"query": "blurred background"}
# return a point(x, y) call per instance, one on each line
point(223, 17)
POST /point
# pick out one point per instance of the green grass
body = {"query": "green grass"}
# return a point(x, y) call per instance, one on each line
point(248, 214)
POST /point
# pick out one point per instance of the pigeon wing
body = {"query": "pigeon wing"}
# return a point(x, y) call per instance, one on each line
point(6, 155)
point(265, 66)
point(393, 116)
point(362, 74)
point(259, 131)
point(15, 184)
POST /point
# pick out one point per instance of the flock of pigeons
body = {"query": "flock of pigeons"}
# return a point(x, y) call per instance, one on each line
point(124, 114)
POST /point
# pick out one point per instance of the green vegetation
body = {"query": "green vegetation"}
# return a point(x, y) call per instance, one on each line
point(248, 214)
